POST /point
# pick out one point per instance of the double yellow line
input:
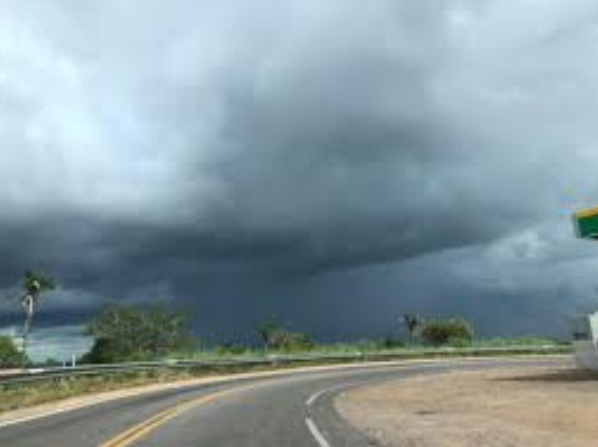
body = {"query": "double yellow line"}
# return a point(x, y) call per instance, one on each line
point(136, 433)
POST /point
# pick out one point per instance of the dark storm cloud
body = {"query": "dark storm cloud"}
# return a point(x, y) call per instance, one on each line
point(255, 156)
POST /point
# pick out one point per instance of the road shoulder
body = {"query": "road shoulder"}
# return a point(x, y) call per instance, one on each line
point(538, 406)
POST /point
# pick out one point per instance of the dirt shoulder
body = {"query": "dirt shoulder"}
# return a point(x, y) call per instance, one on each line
point(531, 407)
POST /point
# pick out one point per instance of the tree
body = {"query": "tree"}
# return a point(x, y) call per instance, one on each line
point(9, 354)
point(274, 336)
point(452, 330)
point(413, 324)
point(34, 285)
point(128, 332)
point(292, 341)
point(267, 331)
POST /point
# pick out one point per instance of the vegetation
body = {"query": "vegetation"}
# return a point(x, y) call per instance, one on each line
point(34, 285)
point(276, 338)
point(10, 356)
point(292, 342)
point(413, 323)
point(502, 342)
point(131, 333)
point(231, 348)
point(267, 331)
point(14, 397)
point(127, 332)
point(454, 331)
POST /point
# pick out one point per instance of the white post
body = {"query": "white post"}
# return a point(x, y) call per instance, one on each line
point(585, 342)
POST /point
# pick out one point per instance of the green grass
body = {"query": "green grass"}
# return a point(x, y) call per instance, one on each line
point(519, 341)
point(376, 347)
point(18, 396)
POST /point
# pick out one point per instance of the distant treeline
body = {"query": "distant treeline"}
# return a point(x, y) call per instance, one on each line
point(124, 332)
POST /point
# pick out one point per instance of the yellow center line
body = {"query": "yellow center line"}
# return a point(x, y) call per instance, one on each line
point(139, 431)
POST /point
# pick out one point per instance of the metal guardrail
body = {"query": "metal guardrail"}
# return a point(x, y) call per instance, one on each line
point(49, 374)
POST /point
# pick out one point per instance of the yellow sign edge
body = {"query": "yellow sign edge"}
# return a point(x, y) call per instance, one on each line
point(592, 212)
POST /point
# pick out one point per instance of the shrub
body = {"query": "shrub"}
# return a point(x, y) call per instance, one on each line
point(126, 332)
point(231, 348)
point(390, 342)
point(9, 354)
point(459, 342)
point(291, 341)
point(110, 350)
point(442, 332)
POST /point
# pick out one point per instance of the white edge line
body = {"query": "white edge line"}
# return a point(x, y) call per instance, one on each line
point(314, 397)
point(315, 432)
point(50, 413)
point(309, 402)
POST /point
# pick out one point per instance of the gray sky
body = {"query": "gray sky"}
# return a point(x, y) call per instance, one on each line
point(335, 163)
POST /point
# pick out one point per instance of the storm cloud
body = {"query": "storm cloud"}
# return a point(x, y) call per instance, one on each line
point(330, 162)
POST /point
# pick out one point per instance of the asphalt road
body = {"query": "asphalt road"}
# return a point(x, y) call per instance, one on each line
point(294, 410)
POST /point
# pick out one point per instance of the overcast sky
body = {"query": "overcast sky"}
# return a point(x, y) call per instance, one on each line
point(332, 163)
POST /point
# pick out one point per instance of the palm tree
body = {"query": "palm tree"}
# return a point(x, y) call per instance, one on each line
point(412, 323)
point(34, 285)
point(267, 331)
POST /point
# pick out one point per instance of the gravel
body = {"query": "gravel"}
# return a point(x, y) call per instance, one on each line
point(531, 407)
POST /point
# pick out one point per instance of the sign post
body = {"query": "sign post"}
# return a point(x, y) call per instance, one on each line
point(585, 334)
point(586, 224)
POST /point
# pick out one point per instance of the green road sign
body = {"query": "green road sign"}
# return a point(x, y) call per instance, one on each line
point(586, 223)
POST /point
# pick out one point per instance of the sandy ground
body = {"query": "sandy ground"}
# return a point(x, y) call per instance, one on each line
point(531, 407)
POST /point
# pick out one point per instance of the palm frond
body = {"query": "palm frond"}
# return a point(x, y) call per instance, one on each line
point(36, 282)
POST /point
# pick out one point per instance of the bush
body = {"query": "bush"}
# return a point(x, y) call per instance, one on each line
point(459, 343)
point(125, 333)
point(519, 341)
point(449, 331)
point(391, 342)
point(10, 356)
point(291, 341)
point(232, 348)
point(109, 350)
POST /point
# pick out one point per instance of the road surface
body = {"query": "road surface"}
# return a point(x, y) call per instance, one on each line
point(294, 410)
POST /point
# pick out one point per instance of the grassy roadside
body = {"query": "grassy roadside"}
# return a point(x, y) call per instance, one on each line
point(34, 393)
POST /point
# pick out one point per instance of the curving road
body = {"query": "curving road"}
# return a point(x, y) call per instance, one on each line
point(294, 410)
